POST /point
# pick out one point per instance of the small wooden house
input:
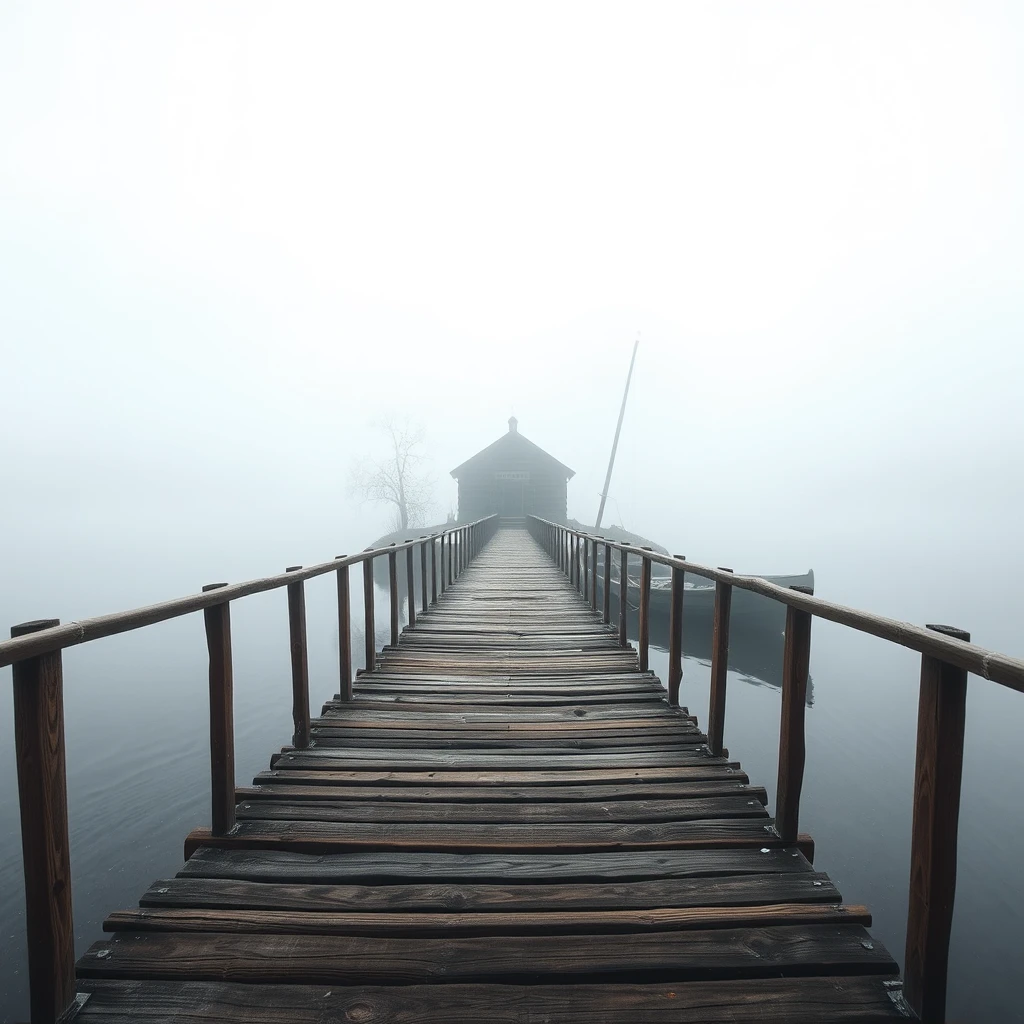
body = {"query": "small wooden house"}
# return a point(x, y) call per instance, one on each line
point(513, 478)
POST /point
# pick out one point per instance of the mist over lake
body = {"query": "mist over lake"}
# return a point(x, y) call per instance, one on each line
point(233, 240)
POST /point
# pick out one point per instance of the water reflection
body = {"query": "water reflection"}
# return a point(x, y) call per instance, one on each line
point(755, 645)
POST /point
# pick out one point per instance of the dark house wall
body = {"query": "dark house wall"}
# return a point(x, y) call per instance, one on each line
point(512, 477)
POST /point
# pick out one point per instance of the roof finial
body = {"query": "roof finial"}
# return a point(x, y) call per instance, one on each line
point(513, 425)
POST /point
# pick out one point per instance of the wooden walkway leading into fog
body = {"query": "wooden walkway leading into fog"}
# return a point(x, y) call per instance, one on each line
point(507, 823)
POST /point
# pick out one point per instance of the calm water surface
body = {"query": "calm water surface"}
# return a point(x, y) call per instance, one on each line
point(138, 776)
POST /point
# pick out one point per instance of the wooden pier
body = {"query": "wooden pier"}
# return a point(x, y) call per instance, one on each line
point(505, 818)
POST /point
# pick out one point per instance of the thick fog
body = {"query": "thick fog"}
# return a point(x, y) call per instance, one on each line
point(233, 236)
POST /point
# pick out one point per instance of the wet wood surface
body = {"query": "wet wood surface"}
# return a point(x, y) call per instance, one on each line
point(508, 821)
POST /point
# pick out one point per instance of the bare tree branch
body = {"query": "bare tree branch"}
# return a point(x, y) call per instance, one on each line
point(398, 479)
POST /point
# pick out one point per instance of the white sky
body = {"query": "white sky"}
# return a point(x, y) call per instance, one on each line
point(232, 233)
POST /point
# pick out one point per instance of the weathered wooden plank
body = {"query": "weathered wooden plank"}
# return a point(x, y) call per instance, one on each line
point(479, 923)
point(484, 837)
point(726, 891)
point(278, 788)
point(705, 772)
point(392, 866)
point(334, 809)
point(845, 1000)
point(329, 959)
point(481, 760)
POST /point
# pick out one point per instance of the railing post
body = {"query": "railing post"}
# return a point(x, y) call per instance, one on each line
point(423, 573)
point(585, 575)
point(607, 617)
point(222, 725)
point(644, 641)
point(441, 553)
point(344, 634)
point(43, 795)
point(300, 660)
point(593, 580)
point(576, 561)
point(675, 635)
point(940, 747)
point(623, 595)
point(393, 587)
point(796, 661)
point(369, 629)
point(719, 666)
point(410, 584)
point(433, 570)
point(450, 536)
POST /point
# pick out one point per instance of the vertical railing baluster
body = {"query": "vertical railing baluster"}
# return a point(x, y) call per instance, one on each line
point(43, 796)
point(941, 717)
point(410, 584)
point(585, 574)
point(344, 634)
point(222, 727)
point(393, 587)
point(796, 660)
point(450, 538)
point(675, 635)
point(607, 617)
point(719, 666)
point(593, 580)
point(370, 637)
point(299, 659)
point(433, 569)
point(423, 573)
point(623, 595)
point(644, 641)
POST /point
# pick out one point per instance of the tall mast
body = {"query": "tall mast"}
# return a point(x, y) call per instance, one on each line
point(615, 441)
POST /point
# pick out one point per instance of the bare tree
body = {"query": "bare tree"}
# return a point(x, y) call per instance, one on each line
point(398, 478)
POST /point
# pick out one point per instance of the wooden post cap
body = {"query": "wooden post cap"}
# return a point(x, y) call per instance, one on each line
point(340, 556)
point(801, 589)
point(213, 586)
point(956, 634)
point(292, 568)
point(33, 626)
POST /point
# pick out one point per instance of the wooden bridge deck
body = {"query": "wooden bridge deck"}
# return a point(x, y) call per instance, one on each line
point(507, 823)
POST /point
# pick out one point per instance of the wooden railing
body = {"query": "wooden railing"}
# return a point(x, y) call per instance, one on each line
point(34, 652)
point(947, 657)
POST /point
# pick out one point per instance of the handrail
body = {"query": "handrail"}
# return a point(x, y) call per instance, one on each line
point(57, 638)
point(980, 661)
point(947, 656)
point(34, 652)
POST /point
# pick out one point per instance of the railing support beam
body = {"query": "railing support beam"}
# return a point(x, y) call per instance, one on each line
point(43, 795)
point(369, 627)
point(644, 640)
point(300, 660)
point(675, 636)
point(796, 660)
point(940, 747)
point(393, 593)
point(623, 595)
point(719, 667)
point(410, 586)
point(222, 724)
point(344, 634)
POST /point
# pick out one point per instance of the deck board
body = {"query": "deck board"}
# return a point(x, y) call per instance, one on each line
point(471, 837)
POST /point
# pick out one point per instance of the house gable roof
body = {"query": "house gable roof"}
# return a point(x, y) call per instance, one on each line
point(512, 443)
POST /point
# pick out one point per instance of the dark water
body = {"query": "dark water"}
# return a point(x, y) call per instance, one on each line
point(138, 771)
